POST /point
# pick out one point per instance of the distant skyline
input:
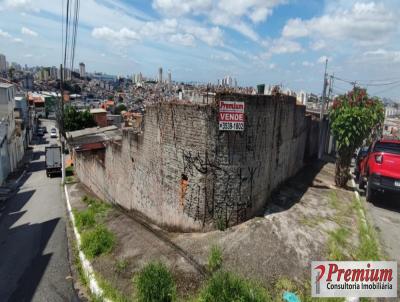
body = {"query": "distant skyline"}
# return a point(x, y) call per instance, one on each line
point(255, 41)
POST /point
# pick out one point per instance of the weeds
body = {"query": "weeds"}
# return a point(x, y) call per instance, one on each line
point(368, 248)
point(154, 283)
point(221, 224)
point(121, 265)
point(84, 219)
point(226, 287)
point(70, 180)
point(311, 222)
point(214, 259)
point(97, 241)
point(110, 292)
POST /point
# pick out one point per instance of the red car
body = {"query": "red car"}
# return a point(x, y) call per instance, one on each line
point(380, 168)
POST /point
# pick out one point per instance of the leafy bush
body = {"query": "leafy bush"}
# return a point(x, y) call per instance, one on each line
point(84, 219)
point(226, 287)
point(69, 171)
point(354, 118)
point(97, 241)
point(214, 259)
point(154, 283)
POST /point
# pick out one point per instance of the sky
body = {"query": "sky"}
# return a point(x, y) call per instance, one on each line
point(256, 41)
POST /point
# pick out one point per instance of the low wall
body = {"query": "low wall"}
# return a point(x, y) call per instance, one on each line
point(183, 173)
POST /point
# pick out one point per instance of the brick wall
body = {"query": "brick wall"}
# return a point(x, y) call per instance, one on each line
point(183, 173)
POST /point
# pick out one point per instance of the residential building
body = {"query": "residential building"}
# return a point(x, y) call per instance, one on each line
point(100, 116)
point(12, 135)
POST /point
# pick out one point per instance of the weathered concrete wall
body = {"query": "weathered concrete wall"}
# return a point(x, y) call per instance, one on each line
point(183, 173)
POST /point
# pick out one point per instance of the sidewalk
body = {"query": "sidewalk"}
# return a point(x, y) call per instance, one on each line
point(14, 179)
point(297, 228)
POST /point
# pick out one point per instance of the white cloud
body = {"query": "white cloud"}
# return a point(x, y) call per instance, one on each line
point(28, 32)
point(4, 34)
point(318, 45)
point(234, 14)
point(124, 35)
point(307, 64)
point(389, 56)
point(183, 39)
point(26, 5)
point(17, 40)
point(211, 36)
point(364, 23)
point(281, 46)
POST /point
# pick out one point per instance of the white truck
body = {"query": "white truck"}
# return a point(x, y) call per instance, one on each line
point(53, 160)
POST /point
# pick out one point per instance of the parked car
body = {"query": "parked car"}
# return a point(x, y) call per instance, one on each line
point(360, 155)
point(40, 132)
point(44, 129)
point(380, 168)
point(53, 133)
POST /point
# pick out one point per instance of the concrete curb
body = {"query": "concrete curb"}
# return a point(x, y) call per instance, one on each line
point(19, 178)
point(361, 211)
point(86, 265)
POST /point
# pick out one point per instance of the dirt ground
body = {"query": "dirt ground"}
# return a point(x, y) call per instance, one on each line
point(293, 232)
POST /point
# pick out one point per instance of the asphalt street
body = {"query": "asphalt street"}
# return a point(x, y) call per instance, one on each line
point(34, 263)
point(385, 211)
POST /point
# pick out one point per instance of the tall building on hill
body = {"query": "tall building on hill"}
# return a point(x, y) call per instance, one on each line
point(3, 63)
point(160, 75)
point(82, 71)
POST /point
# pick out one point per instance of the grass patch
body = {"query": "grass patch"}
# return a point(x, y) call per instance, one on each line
point(121, 265)
point(334, 200)
point(220, 223)
point(78, 265)
point(312, 221)
point(154, 283)
point(214, 259)
point(337, 241)
point(84, 219)
point(110, 292)
point(226, 287)
point(70, 180)
point(97, 241)
point(368, 248)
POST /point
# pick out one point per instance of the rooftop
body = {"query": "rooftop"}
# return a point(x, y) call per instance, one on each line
point(97, 110)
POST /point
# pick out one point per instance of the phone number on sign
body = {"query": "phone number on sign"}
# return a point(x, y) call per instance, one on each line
point(231, 126)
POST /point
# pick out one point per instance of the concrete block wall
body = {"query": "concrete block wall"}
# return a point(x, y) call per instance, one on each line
point(182, 173)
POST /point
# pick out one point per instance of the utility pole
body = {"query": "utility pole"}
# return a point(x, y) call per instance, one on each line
point(321, 116)
point(61, 110)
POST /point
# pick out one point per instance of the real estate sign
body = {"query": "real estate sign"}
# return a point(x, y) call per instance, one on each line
point(231, 116)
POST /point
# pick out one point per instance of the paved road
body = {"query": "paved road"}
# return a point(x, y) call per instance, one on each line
point(385, 211)
point(34, 262)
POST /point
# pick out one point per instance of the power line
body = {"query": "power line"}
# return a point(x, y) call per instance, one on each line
point(354, 82)
point(387, 89)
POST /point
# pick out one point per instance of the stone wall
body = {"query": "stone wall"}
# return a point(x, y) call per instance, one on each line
point(183, 173)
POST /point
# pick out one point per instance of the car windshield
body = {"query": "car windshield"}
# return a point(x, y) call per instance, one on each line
point(393, 148)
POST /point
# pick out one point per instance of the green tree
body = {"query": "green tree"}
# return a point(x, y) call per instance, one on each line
point(77, 120)
point(354, 118)
point(118, 109)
